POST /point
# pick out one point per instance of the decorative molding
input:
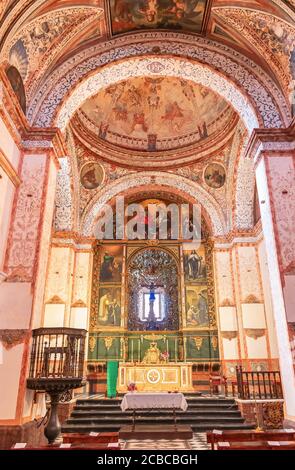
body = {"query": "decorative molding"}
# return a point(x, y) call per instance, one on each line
point(255, 333)
point(3, 277)
point(216, 64)
point(230, 335)
point(168, 181)
point(251, 299)
point(79, 304)
point(11, 338)
point(55, 300)
point(9, 170)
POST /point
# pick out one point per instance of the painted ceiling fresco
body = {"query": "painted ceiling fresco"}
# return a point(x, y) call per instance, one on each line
point(156, 113)
point(182, 15)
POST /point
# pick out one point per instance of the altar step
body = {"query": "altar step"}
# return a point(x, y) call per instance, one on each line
point(98, 415)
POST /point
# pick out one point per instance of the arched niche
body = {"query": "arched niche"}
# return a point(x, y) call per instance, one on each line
point(153, 290)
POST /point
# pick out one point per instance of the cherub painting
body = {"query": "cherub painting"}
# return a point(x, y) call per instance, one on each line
point(130, 15)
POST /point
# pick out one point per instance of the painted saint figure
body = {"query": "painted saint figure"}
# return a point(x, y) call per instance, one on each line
point(195, 265)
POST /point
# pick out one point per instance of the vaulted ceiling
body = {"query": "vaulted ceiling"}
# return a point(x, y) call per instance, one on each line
point(38, 35)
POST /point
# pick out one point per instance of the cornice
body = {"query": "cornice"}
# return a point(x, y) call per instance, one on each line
point(9, 169)
point(271, 141)
point(28, 139)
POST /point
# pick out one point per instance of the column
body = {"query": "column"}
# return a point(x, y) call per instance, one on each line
point(30, 158)
point(273, 152)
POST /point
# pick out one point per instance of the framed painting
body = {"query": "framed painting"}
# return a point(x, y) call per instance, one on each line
point(111, 264)
point(91, 175)
point(197, 310)
point(195, 265)
point(215, 175)
point(176, 15)
point(109, 306)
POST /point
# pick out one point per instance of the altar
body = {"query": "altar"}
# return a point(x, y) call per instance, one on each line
point(166, 377)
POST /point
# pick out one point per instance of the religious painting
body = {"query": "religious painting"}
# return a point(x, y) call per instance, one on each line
point(111, 264)
point(179, 15)
point(215, 176)
point(91, 175)
point(195, 265)
point(197, 310)
point(109, 306)
point(143, 114)
point(17, 85)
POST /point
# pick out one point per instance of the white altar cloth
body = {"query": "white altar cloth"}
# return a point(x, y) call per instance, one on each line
point(142, 401)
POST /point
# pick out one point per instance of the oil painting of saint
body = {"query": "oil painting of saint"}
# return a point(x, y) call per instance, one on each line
point(195, 265)
point(109, 307)
point(111, 264)
point(197, 312)
point(130, 15)
point(92, 175)
point(215, 175)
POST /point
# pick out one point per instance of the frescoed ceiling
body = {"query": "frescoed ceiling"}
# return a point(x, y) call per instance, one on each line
point(156, 114)
point(180, 15)
point(36, 36)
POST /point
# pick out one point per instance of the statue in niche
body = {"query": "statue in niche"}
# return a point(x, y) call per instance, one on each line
point(152, 355)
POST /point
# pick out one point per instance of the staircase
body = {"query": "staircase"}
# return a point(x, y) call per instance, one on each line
point(203, 414)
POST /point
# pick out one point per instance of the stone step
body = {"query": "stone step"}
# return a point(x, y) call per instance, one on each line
point(190, 401)
point(191, 407)
point(115, 413)
point(157, 419)
point(199, 427)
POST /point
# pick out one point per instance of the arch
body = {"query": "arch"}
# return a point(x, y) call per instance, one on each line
point(165, 181)
point(243, 83)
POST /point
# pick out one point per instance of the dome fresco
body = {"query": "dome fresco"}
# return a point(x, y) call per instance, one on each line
point(160, 113)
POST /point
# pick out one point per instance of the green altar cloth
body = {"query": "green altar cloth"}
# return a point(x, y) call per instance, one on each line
point(112, 376)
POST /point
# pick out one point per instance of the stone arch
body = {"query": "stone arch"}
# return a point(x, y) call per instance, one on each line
point(164, 181)
point(243, 83)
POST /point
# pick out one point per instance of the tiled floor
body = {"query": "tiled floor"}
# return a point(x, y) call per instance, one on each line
point(197, 443)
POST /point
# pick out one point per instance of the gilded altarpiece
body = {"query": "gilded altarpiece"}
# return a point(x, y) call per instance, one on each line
point(179, 276)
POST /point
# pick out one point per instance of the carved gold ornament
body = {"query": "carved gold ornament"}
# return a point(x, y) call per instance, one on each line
point(198, 342)
point(108, 341)
point(92, 343)
point(214, 342)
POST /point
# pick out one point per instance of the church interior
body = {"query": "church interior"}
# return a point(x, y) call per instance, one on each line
point(147, 339)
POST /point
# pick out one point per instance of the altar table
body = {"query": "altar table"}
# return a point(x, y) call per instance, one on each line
point(165, 377)
point(151, 401)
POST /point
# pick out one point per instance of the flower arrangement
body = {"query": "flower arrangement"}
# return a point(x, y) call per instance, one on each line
point(132, 387)
point(165, 356)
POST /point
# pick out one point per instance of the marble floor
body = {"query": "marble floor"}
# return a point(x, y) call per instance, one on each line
point(197, 443)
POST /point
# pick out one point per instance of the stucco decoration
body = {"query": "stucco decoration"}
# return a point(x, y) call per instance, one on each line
point(270, 35)
point(11, 338)
point(259, 101)
point(142, 179)
point(63, 198)
point(24, 232)
point(40, 40)
point(244, 202)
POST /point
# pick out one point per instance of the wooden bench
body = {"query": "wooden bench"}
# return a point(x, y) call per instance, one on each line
point(213, 437)
point(92, 438)
point(259, 445)
point(99, 446)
